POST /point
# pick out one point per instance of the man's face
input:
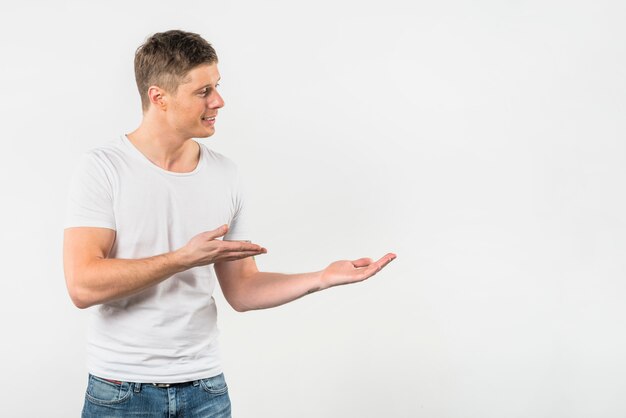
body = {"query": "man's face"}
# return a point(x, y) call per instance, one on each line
point(193, 109)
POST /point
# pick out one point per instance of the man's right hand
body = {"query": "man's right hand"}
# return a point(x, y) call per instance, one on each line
point(94, 278)
point(205, 249)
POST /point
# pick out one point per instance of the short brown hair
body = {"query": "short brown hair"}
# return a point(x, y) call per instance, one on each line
point(166, 58)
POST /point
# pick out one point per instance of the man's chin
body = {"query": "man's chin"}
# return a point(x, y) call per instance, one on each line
point(205, 134)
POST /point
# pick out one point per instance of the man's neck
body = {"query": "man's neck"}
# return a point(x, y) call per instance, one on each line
point(166, 150)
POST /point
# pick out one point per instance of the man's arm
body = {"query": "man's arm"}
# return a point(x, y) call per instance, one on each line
point(93, 278)
point(246, 288)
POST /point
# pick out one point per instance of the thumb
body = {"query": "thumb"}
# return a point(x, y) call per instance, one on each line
point(219, 232)
point(362, 262)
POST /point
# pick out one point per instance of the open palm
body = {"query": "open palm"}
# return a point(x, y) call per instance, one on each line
point(346, 271)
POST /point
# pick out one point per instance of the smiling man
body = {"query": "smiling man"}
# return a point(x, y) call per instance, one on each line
point(155, 219)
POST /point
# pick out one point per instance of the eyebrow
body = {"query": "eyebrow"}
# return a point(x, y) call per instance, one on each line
point(208, 85)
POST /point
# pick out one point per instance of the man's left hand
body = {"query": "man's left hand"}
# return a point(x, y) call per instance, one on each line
point(346, 271)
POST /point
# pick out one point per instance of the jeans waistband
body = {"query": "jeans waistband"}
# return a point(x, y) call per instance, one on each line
point(137, 386)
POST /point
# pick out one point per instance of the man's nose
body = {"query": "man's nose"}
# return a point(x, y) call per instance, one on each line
point(216, 101)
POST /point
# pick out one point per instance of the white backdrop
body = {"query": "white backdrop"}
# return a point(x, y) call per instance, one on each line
point(481, 141)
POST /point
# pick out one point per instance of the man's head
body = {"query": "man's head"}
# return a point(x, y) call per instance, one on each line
point(166, 58)
point(177, 77)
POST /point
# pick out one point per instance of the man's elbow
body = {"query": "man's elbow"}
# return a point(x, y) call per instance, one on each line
point(240, 307)
point(78, 294)
point(237, 304)
point(78, 301)
point(81, 304)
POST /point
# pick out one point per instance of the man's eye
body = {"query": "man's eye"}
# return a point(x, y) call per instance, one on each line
point(207, 90)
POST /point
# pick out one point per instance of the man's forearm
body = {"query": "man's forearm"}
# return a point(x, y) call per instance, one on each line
point(267, 290)
point(246, 288)
point(108, 279)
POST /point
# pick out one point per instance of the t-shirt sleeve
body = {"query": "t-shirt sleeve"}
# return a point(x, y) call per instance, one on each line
point(239, 228)
point(90, 197)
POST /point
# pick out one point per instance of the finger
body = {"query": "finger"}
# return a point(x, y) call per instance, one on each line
point(386, 259)
point(219, 232)
point(233, 246)
point(239, 255)
point(250, 247)
point(378, 265)
point(257, 249)
point(362, 262)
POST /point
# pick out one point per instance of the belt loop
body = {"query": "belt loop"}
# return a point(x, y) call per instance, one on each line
point(137, 388)
point(196, 383)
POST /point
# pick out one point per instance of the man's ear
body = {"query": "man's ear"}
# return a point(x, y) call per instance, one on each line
point(157, 97)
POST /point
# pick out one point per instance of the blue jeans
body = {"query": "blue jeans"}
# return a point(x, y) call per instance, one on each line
point(201, 398)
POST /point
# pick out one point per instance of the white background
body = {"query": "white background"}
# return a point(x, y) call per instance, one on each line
point(482, 142)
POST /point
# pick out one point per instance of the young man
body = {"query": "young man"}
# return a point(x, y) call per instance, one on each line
point(153, 218)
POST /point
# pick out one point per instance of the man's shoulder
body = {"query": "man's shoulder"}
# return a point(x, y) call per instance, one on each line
point(106, 156)
point(218, 158)
point(111, 147)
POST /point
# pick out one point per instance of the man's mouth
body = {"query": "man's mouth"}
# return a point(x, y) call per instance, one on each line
point(208, 118)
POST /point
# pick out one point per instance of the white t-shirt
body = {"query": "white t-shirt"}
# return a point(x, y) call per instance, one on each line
point(167, 333)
